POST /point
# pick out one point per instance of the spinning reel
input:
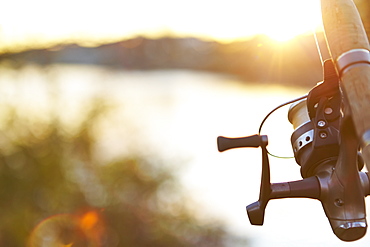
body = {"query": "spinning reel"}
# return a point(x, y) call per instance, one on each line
point(325, 146)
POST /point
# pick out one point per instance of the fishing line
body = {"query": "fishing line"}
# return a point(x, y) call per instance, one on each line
point(318, 46)
point(269, 114)
point(314, 31)
point(294, 100)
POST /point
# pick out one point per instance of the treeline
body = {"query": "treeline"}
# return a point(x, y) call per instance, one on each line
point(256, 60)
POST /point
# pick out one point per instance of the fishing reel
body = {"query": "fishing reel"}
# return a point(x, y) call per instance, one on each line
point(326, 148)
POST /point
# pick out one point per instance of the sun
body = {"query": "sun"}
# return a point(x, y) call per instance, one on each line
point(280, 20)
point(285, 19)
point(284, 30)
point(282, 35)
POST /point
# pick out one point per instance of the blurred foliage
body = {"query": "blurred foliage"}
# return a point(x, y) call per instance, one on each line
point(55, 193)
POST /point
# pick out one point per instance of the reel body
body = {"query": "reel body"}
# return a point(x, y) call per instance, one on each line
point(326, 147)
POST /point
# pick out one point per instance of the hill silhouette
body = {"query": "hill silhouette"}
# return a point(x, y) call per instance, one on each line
point(256, 60)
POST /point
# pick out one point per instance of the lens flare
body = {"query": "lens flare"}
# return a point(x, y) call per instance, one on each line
point(89, 220)
point(69, 230)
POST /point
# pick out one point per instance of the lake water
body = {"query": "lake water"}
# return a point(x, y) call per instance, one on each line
point(177, 115)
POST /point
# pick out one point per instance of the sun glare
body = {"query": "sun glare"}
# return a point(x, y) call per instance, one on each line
point(285, 19)
point(112, 19)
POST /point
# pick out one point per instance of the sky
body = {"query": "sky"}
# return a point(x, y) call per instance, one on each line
point(40, 22)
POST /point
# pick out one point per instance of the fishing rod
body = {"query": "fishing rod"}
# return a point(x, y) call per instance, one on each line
point(331, 137)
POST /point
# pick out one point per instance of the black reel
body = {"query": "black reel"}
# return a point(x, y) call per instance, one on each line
point(326, 148)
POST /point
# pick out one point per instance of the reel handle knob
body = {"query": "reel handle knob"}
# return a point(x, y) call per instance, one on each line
point(254, 141)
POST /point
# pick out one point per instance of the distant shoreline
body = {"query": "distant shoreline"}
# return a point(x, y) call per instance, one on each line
point(295, 63)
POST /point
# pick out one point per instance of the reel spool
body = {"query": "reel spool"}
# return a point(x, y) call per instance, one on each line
point(315, 140)
point(303, 134)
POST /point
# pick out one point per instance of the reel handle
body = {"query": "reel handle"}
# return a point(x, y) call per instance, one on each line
point(256, 211)
point(253, 141)
point(306, 188)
